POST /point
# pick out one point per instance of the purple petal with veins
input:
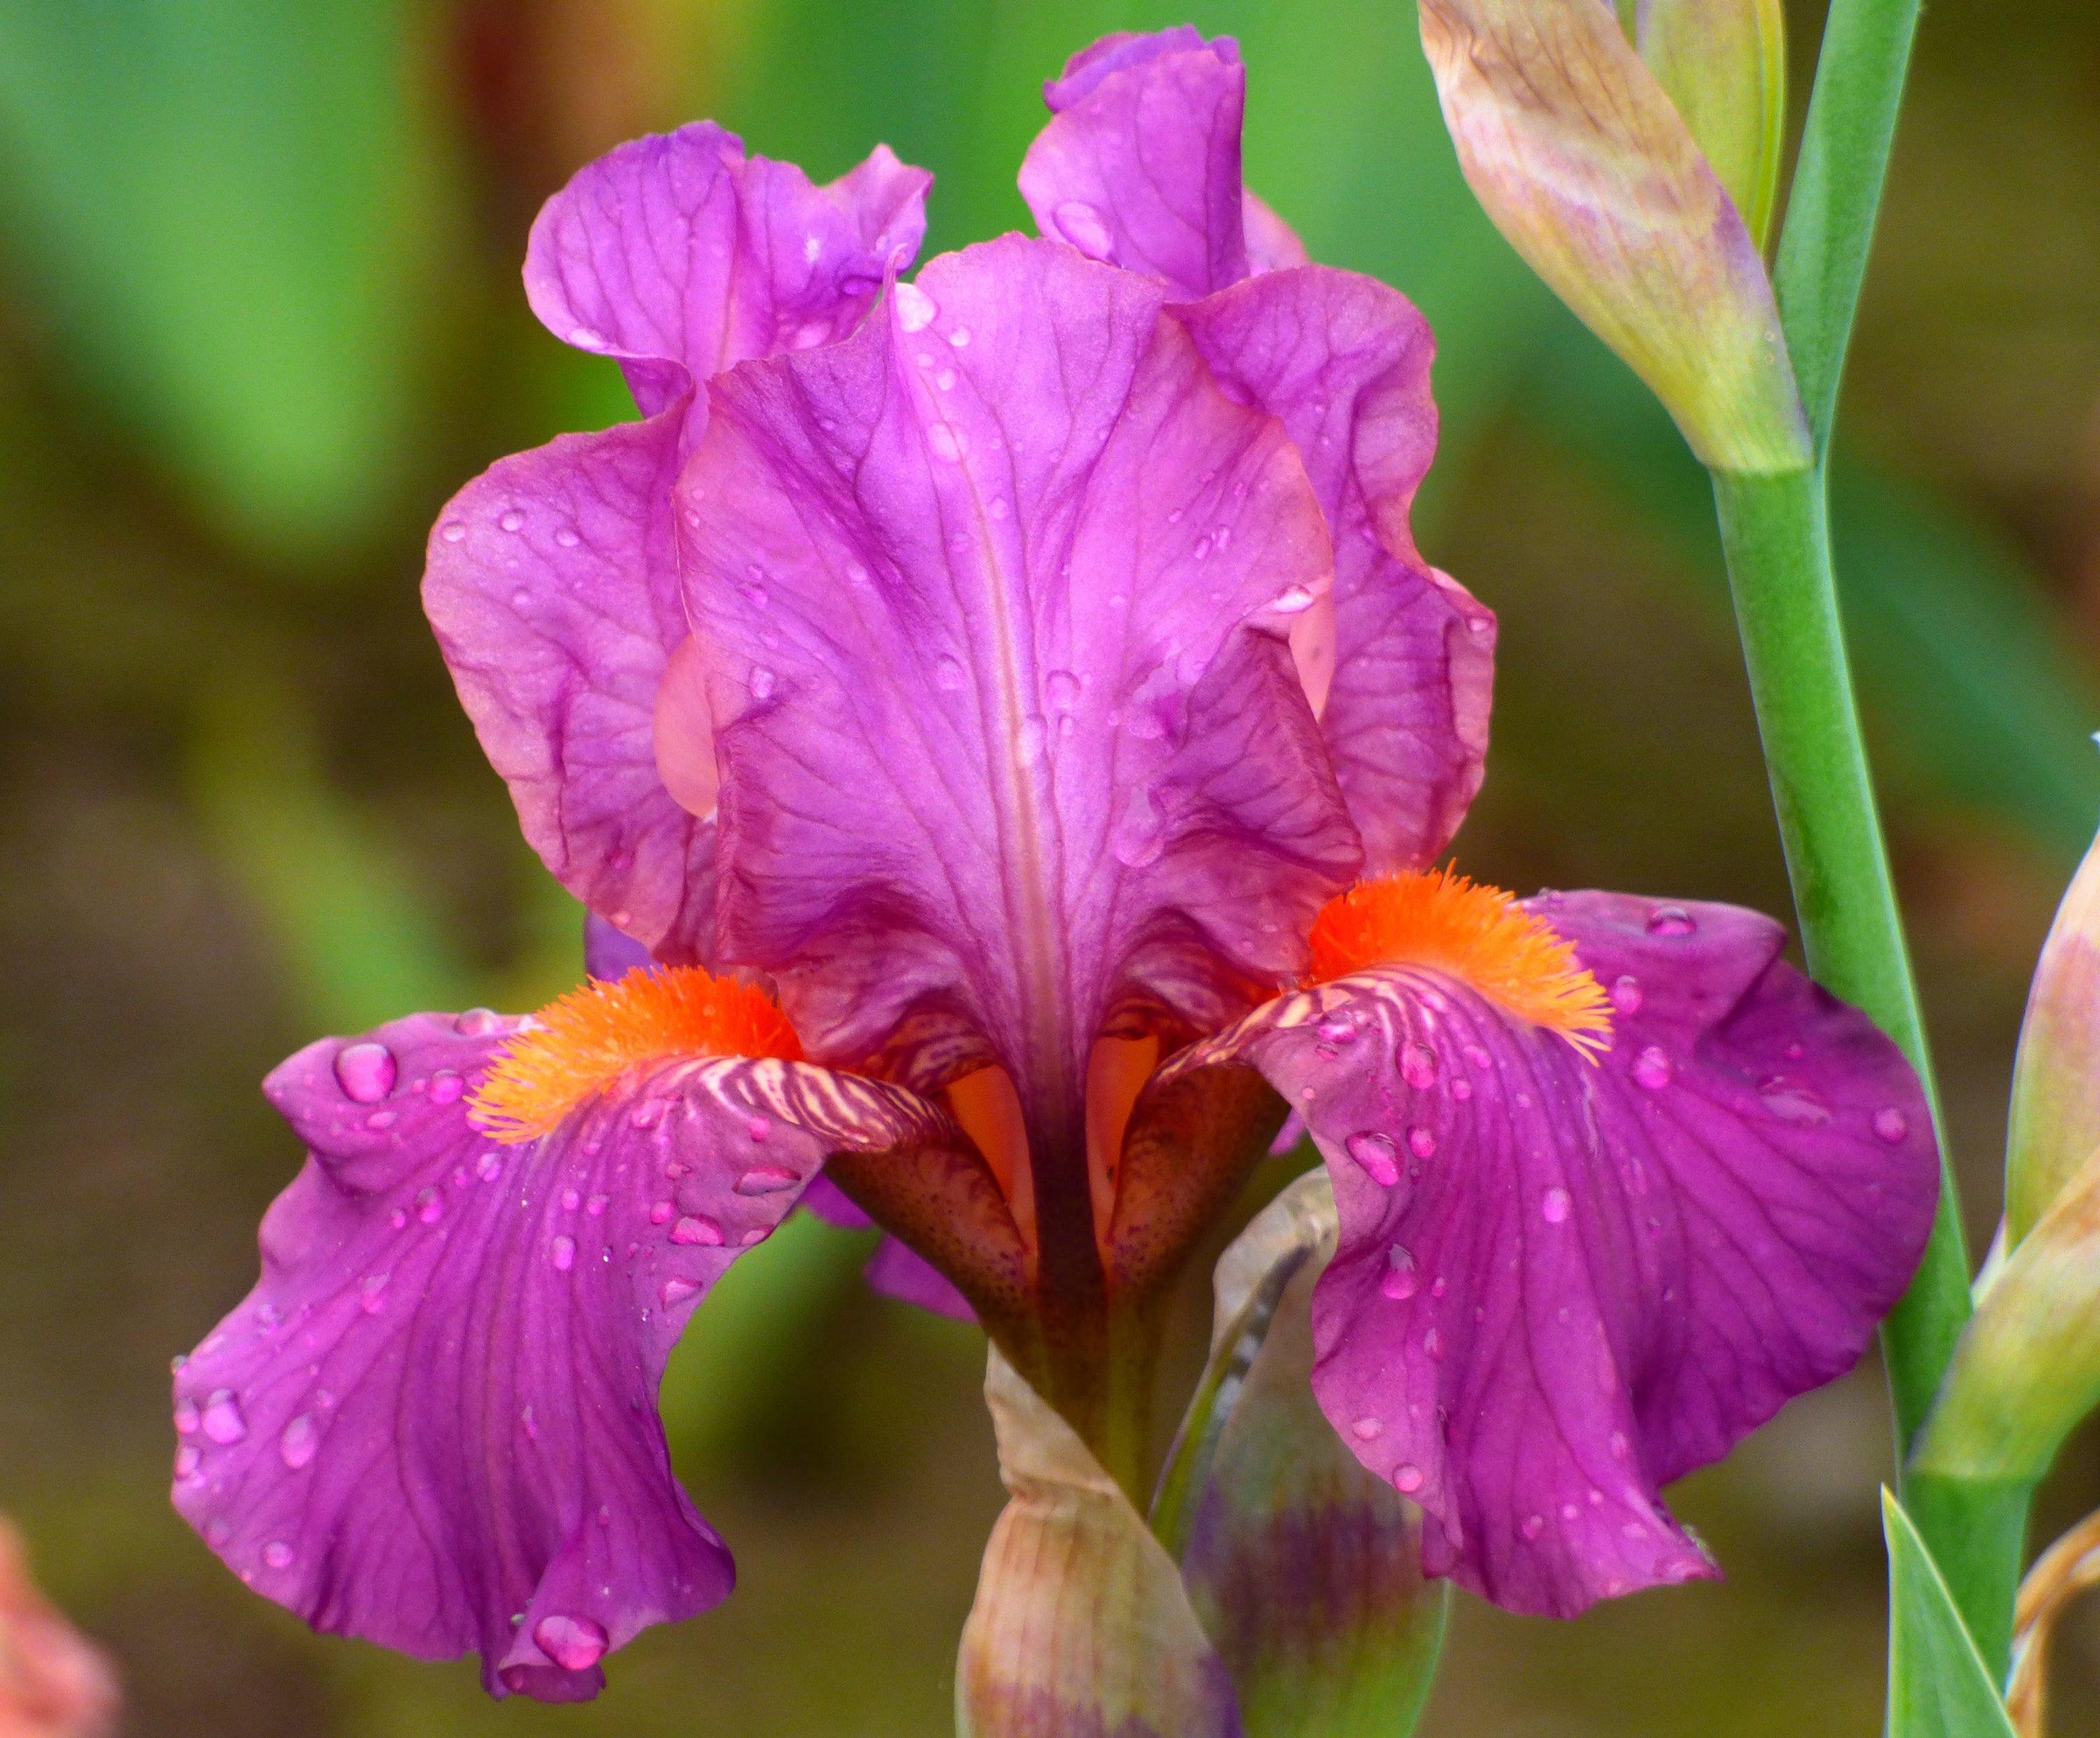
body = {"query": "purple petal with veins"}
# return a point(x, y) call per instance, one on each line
point(1560, 1284)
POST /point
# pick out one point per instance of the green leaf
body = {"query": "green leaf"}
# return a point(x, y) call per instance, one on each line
point(230, 208)
point(1938, 1687)
point(1304, 1568)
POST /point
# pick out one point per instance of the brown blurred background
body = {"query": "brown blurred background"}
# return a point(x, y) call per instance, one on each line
point(260, 315)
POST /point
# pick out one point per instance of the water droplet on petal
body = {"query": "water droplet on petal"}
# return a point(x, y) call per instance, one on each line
point(1407, 1480)
point(372, 1294)
point(1534, 1525)
point(676, 1291)
point(1140, 836)
point(512, 521)
point(696, 1229)
point(765, 1179)
point(477, 1022)
point(1651, 1068)
point(1294, 600)
point(277, 1554)
point(186, 1418)
point(1367, 1430)
point(1555, 1205)
point(1422, 1143)
point(915, 309)
point(430, 1206)
point(223, 1422)
point(1083, 226)
point(573, 1643)
point(1671, 919)
point(446, 1087)
point(565, 1254)
point(1061, 688)
point(453, 531)
point(1400, 1279)
point(1626, 994)
point(365, 1072)
point(762, 683)
point(1890, 1124)
point(589, 338)
point(1376, 1154)
point(489, 1166)
point(1432, 1341)
point(946, 443)
point(572, 1199)
point(188, 1458)
point(661, 1213)
point(959, 337)
point(296, 1445)
point(1418, 1066)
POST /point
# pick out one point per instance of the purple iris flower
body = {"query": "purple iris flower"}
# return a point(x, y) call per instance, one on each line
point(1023, 680)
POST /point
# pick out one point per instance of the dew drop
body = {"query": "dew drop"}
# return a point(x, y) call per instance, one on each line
point(570, 1200)
point(573, 1643)
point(489, 1166)
point(1651, 1070)
point(430, 1206)
point(445, 1087)
point(1433, 1342)
point(960, 337)
point(762, 683)
point(1671, 919)
point(915, 309)
point(188, 1458)
point(477, 1022)
point(565, 1254)
point(1367, 1430)
point(296, 1445)
point(661, 1213)
point(589, 338)
point(223, 1422)
point(1061, 688)
point(1375, 1151)
point(365, 1072)
point(277, 1554)
point(512, 521)
point(1795, 1104)
point(1626, 994)
point(676, 1291)
point(1422, 1143)
point(453, 531)
point(1294, 601)
point(947, 445)
point(1534, 1525)
point(765, 1179)
point(1890, 1124)
point(1407, 1480)
point(1555, 1205)
point(372, 1294)
point(1461, 1089)
point(696, 1230)
point(1083, 226)
point(1400, 1279)
point(948, 673)
point(1418, 1066)
point(186, 1418)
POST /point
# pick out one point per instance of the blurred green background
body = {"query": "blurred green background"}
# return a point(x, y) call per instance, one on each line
point(260, 315)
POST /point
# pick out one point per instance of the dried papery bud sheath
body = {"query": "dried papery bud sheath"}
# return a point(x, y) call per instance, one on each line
point(2055, 1111)
point(1724, 65)
point(1578, 155)
point(2028, 1367)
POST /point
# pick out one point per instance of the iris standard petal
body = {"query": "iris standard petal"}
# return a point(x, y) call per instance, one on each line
point(433, 1422)
point(1562, 1284)
point(552, 579)
point(1140, 163)
point(995, 596)
point(1407, 667)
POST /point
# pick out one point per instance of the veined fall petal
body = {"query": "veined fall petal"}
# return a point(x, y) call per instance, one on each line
point(1578, 154)
point(1615, 1183)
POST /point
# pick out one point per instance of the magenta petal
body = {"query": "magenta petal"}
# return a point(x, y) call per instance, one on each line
point(433, 1422)
point(899, 1271)
point(1561, 1286)
point(994, 595)
point(552, 579)
point(682, 257)
point(1140, 163)
point(1344, 362)
point(610, 954)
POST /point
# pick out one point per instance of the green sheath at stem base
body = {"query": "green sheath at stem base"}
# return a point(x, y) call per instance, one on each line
point(1776, 535)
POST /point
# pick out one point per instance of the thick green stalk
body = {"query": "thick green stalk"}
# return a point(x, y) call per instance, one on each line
point(1776, 535)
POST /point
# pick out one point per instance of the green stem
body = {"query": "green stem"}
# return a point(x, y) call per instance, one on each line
point(1776, 534)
